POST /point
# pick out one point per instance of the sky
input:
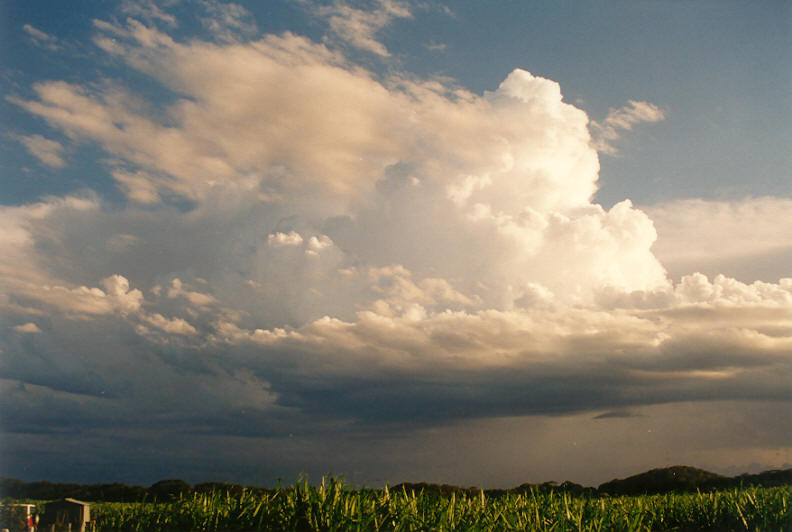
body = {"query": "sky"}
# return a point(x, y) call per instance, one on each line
point(470, 243)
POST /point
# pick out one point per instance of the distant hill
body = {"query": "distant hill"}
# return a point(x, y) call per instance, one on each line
point(684, 478)
point(676, 478)
point(669, 479)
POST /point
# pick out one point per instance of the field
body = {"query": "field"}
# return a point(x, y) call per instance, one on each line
point(332, 506)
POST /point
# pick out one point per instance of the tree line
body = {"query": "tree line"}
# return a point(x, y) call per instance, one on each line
point(664, 480)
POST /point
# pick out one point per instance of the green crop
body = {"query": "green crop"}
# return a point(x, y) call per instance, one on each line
point(333, 506)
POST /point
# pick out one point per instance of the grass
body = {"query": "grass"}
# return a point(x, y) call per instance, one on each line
point(333, 506)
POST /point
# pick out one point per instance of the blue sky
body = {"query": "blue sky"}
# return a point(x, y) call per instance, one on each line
point(394, 240)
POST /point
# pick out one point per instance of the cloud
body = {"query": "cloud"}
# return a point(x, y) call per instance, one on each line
point(317, 244)
point(139, 186)
point(622, 119)
point(715, 340)
point(83, 301)
point(358, 27)
point(748, 238)
point(148, 10)
point(286, 141)
point(285, 239)
point(321, 246)
point(21, 263)
point(28, 328)
point(226, 20)
point(45, 150)
point(41, 39)
point(400, 292)
point(177, 289)
point(615, 414)
point(172, 326)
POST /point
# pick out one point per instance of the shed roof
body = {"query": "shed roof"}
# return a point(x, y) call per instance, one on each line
point(69, 500)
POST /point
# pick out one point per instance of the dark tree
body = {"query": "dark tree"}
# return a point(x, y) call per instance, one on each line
point(169, 490)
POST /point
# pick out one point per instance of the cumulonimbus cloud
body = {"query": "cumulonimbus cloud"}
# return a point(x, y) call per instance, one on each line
point(350, 240)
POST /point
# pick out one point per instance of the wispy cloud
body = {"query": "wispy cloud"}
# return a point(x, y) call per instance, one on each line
point(227, 20)
point(359, 27)
point(42, 39)
point(149, 11)
point(45, 150)
point(622, 119)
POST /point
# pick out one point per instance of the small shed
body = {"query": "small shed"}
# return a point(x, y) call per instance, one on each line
point(17, 517)
point(66, 514)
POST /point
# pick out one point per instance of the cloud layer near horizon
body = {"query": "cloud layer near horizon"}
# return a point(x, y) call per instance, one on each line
point(306, 242)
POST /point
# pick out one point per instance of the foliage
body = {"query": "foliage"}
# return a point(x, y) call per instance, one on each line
point(676, 478)
point(333, 506)
point(168, 490)
point(44, 490)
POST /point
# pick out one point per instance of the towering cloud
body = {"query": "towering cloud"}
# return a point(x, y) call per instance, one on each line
point(332, 242)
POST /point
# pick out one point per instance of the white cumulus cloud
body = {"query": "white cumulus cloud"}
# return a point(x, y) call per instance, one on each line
point(279, 239)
